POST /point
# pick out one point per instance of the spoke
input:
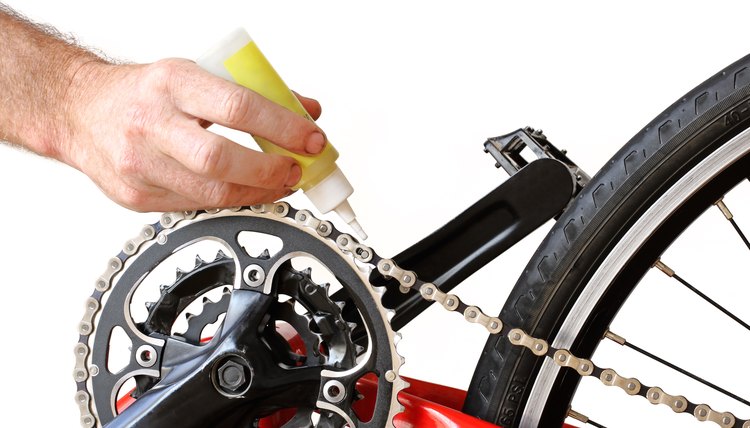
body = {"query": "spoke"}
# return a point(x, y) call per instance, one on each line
point(671, 273)
point(620, 340)
point(728, 215)
point(583, 418)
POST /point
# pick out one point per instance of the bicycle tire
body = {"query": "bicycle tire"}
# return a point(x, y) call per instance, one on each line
point(641, 172)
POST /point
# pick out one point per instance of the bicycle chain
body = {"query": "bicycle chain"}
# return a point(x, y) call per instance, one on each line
point(407, 280)
point(562, 357)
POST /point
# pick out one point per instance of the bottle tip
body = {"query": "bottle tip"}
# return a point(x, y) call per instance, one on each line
point(358, 229)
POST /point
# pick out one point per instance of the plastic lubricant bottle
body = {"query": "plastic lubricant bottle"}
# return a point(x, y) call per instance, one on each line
point(239, 60)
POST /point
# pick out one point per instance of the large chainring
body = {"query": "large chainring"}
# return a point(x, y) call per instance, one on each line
point(173, 370)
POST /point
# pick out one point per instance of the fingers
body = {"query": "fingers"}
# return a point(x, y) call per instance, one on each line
point(170, 187)
point(216, 100)
point(311, 105)
point(217, 158)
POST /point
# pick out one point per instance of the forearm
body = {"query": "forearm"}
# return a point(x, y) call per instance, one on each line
point(37, 76)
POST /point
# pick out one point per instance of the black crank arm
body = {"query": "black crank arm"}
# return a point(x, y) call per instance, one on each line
point(537, 193)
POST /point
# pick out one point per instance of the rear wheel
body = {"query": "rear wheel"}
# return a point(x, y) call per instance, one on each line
point(603, 245)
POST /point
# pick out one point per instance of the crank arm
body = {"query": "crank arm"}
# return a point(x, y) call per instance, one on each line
point(537, 193)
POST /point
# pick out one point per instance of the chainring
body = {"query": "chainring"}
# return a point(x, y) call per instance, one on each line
point(158, 352)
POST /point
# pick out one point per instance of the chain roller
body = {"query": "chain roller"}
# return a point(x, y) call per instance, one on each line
point(83, 399)
point(169, 220)
point(360, 252)
point(475, 315)
point(80, 373)
point(704, 412)
point(86, 325)
point(519, 337)
point(113, 266)
point(630, 385)
point(405, 278)
point(564, 358)
point(656, 395)
point(430, 292)
point(305, 218)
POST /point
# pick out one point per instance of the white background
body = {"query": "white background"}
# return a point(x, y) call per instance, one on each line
point(410, 91)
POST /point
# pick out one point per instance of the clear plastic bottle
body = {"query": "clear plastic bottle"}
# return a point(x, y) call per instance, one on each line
point(238, 59)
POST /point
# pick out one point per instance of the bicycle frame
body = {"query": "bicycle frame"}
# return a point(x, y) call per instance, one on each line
point(428, 405)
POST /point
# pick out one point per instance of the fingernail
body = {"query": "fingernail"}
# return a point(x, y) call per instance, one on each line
point(315, 143)
point(295, 173)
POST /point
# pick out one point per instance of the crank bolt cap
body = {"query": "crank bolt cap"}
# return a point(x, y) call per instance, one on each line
point(233, 376)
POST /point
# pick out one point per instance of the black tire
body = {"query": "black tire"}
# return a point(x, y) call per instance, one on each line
point(640, 173)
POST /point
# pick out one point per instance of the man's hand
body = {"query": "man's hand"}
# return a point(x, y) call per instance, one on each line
point(139, 132)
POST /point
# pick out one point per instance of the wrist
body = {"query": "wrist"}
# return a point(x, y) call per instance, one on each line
point(80, 84)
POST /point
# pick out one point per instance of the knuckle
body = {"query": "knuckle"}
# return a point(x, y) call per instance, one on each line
point(236, 106)
point(210, 159)
point(138, 120)
point(218, 195)
point(127, 163)
point(265, 175)
point(165, 70)
point(133, 198)
point(271, 174)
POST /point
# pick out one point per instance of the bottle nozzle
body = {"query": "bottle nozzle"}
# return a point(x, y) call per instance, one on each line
point(358, 229)
point(344, 210)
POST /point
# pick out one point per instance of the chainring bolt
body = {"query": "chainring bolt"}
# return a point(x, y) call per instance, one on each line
point(334, 391)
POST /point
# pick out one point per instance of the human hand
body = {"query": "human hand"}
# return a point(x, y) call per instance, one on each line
point(138, 131)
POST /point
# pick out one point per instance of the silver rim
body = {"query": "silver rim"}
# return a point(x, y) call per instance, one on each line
point(693, 181)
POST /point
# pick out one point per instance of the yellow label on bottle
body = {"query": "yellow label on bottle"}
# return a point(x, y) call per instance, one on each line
point(250, 68)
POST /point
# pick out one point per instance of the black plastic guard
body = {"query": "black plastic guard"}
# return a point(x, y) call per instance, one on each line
point(538, 192)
